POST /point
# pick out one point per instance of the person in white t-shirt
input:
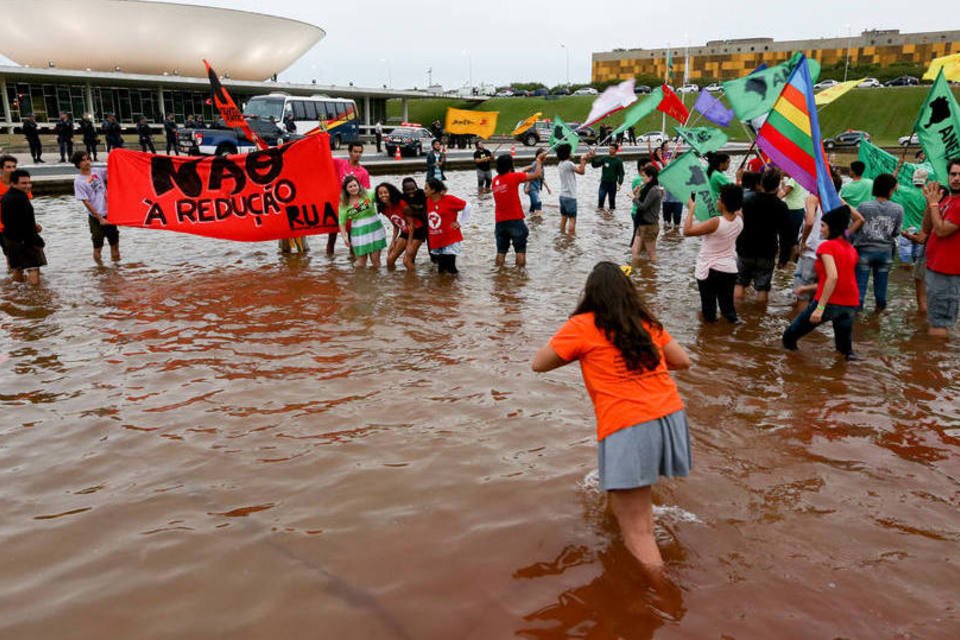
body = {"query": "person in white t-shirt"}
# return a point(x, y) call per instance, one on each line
point(568, 186)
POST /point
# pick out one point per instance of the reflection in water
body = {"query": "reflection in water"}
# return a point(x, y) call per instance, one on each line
point(296, 443)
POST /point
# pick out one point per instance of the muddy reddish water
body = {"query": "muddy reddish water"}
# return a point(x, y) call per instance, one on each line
point(213, 440)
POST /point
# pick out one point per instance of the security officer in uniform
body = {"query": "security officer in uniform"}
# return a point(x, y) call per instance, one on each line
point(89, 132)
point(145, 135)
point(64, 131)
point(170, 130)
point(113, 133)
point(32, 134)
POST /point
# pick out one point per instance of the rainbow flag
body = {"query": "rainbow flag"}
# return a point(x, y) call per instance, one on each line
point(791, 137)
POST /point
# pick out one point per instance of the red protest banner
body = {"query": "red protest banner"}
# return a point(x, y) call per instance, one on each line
point(280, 192)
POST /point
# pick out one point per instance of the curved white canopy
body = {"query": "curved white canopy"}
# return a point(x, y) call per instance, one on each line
point(151, 37)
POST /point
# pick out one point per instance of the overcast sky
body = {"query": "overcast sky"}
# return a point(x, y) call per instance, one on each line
point(373, 42)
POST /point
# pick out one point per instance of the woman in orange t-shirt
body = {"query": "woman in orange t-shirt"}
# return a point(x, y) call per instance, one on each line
point(625, 355)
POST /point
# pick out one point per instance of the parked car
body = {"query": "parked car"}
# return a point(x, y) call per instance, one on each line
point(690, 88)
point(586, 91)
point(850, 138)
point(869, 83)
point(655, 138)
point(642, 88)
point(911, 140)
point(902, 81)
point(537, 134)
point(506, 93)
point(714, 87)
point(540, 92)
point(411, 140)
point(826, 84)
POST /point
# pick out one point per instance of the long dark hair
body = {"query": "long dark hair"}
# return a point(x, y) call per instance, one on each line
point(620, 313)
point(715, 161)
point(394, 193)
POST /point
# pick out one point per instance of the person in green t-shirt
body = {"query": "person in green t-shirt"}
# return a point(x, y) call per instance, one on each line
point(859, 189)
point(611, 177)
point(717, 165)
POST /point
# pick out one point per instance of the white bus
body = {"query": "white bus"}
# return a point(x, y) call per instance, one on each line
point(338, 114)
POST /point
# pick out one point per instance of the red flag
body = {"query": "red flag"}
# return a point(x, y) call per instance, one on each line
point(281, 192)
point(228, 108)
point(673, 106)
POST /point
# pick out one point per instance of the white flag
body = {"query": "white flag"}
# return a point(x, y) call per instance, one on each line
point(613, 99)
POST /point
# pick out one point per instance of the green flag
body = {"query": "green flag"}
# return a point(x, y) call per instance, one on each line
point(685, 177)
point(907, 195)
point(702, 139)
point(938, 127)
point(562, 134)
point(753, 95)
point(639, 111)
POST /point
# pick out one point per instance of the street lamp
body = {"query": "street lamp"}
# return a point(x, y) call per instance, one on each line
point(566, 52)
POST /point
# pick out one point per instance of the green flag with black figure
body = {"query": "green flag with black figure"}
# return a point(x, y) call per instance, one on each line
point(686, 177)
point(562, 134)
point(702, 140)
point(754, 94)
point(938, 127)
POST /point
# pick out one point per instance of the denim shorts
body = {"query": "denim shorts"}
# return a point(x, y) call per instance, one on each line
point(806, 275)
point(943, 299)
point(511, 231)
point(568, 207)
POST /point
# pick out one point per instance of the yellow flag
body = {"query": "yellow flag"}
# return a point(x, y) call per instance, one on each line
point(829, 95)
point(526, 124)
point(950, 65)
point(478, 123)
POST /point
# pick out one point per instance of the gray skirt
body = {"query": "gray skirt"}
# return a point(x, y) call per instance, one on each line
point(637, 456)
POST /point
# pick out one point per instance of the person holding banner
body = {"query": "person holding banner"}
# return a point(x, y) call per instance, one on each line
point(672, 207)
point(716, 270)
point(416, 212)
point(646, 218)
point(443, 225)
point(390, 204)
point(366, 236)
point(90, 188)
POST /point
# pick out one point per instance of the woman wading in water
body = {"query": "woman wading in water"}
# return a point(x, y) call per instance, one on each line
point(625, 356)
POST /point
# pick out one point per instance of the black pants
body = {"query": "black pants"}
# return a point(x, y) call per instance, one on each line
point(147, 143)
point(717, 289)
point(789, 235)
point(841, 317)
point(607, 189)
point(36, 148)
point(66, 149)
point(379, 142)
point(172, 144)
point(447, 264)
point(91, 148)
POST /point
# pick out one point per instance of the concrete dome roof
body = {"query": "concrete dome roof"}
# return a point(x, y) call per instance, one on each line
point(151, 37)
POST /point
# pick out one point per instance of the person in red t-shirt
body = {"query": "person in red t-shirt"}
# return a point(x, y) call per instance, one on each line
point(837, 296)
point(508, 212)
point(390, 204)
point(443, 225)
point(942, 278)
point(625, 356)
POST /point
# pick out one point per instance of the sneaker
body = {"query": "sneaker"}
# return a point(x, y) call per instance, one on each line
point(851, 357)
point(790, 346)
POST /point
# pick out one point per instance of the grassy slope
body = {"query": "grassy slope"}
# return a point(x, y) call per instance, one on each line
point(886, 113)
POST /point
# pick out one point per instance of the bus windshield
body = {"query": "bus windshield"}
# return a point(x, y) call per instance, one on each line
point(265, 108)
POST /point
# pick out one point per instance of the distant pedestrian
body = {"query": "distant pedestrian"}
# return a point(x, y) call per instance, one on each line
point(32, 133)
point(89, 132)
point(113, 133)
point(482, 159)
point(145, 135)
point(632, 135)
point(21, 233)
point(170, 133)
point(378, 135)
point(436, 161)
point(64, 131)
point(90, 189)
point(535, 186)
